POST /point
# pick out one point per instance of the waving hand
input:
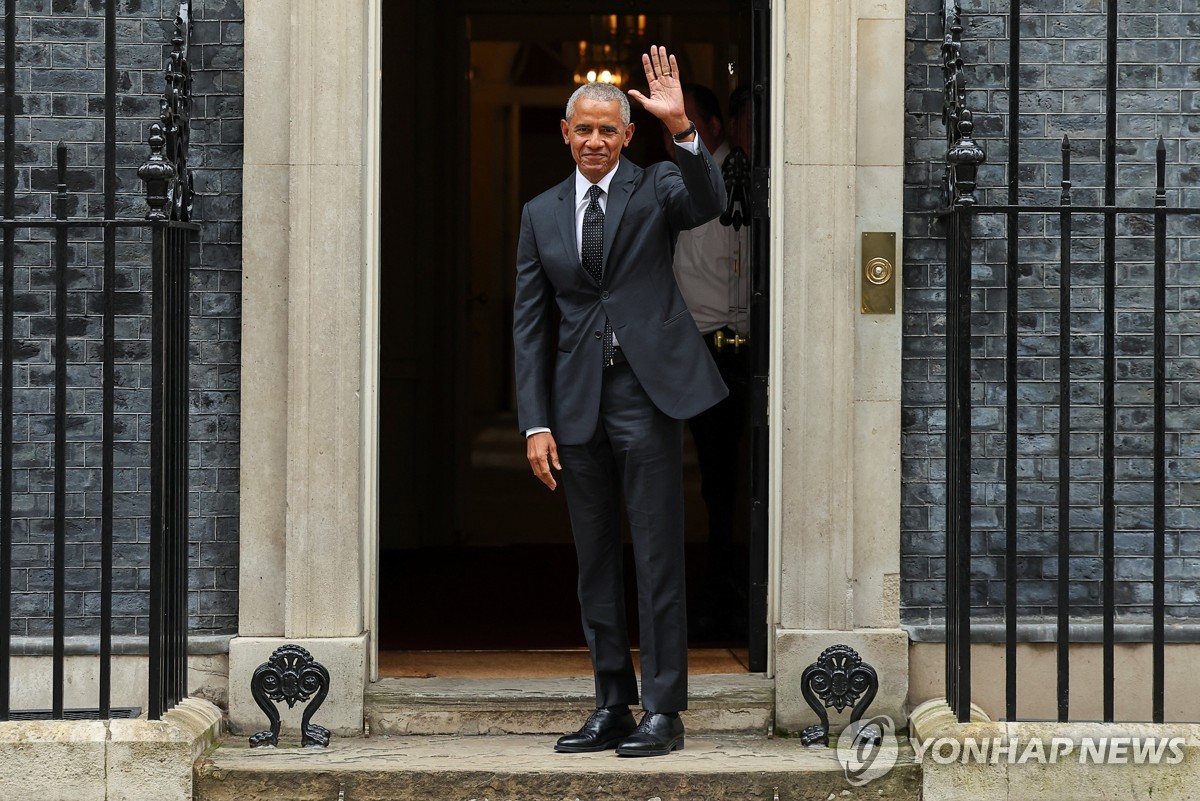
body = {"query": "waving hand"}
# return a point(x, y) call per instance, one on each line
point(666, 90)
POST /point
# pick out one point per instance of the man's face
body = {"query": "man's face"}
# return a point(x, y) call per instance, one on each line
point(596, 136)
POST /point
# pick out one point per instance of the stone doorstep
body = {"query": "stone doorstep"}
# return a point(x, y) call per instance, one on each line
point(718, 767)
point(394, 706)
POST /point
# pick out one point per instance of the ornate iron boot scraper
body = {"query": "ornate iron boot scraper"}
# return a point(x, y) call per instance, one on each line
point(840, 679)
point(291, 675)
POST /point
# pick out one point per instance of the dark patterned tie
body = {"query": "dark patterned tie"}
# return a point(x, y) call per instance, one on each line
point(592, 250)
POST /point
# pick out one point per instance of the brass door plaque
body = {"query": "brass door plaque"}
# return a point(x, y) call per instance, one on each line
point(878, 272)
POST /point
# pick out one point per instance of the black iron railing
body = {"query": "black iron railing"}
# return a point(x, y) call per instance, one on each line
point(962, 162)
point(962, 208)
point(168, 227)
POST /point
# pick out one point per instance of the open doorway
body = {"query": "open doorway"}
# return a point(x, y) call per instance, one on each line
point(475, 553)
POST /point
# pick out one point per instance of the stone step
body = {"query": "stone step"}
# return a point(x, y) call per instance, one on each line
point(716, 767)
point(726, 702)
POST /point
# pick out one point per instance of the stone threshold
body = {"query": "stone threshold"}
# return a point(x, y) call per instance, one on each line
point(716, 767)
point(728, 702)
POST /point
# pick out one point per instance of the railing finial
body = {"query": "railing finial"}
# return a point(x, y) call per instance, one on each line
point(158, 175)
point(963, 160)
point(169, 137)
point(963, 154)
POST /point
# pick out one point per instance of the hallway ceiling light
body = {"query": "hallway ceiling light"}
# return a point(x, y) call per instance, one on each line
point(614, 38)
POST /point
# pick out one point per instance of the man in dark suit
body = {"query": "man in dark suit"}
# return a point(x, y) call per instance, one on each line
point(604, 384)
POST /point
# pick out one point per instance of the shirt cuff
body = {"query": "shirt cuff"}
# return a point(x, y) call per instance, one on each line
point(692, 147)
point(536, 430)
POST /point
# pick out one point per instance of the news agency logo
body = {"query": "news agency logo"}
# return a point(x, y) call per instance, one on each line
point(1042, 751)
point(866, 749)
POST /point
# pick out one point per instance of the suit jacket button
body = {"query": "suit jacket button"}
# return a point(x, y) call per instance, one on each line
point(597, 334)
point(604, 295)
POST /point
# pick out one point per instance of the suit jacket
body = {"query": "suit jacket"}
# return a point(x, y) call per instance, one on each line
point(559, 361)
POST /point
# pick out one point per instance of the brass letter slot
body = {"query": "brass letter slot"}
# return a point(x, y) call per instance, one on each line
point(878, 272)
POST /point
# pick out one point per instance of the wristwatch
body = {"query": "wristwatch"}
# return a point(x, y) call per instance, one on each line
point(691, 129)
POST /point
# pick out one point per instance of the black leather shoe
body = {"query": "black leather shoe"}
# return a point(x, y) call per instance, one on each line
point(657, 735)
point(604, 729)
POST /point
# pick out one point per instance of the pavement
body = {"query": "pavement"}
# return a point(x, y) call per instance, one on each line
point(712, 767)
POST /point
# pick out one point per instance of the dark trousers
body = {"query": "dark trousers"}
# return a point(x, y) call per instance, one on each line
point(635, 452)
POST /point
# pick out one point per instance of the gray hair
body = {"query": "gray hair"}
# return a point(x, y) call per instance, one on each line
point(601, 92)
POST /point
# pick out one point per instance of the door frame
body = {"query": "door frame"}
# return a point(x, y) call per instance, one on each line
point(371, 301)
point(766, 525)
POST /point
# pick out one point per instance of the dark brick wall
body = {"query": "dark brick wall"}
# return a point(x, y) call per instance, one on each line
point(60, 81)
point(1063, 93)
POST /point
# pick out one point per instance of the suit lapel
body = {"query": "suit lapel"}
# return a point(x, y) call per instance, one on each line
point(618, 198)
point(564, 214)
